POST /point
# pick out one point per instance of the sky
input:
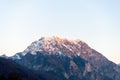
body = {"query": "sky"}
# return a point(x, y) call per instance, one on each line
point(94, 21)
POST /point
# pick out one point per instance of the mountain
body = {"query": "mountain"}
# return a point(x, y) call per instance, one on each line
point(64, 59)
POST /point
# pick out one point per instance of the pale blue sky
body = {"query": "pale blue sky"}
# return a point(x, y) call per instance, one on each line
point(93, 21)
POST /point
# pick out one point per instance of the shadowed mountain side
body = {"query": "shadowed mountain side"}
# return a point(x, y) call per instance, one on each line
point(10, 70)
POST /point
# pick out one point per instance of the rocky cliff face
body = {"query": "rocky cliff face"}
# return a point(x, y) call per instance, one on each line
point(66, 59)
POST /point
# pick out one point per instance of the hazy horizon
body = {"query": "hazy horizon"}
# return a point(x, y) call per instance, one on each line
point(94, 22)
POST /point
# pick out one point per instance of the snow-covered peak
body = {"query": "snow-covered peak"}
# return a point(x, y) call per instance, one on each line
point(56, 45)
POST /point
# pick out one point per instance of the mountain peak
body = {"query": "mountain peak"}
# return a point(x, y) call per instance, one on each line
point(57, 45)
point(50, 38)
point(58, 39)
